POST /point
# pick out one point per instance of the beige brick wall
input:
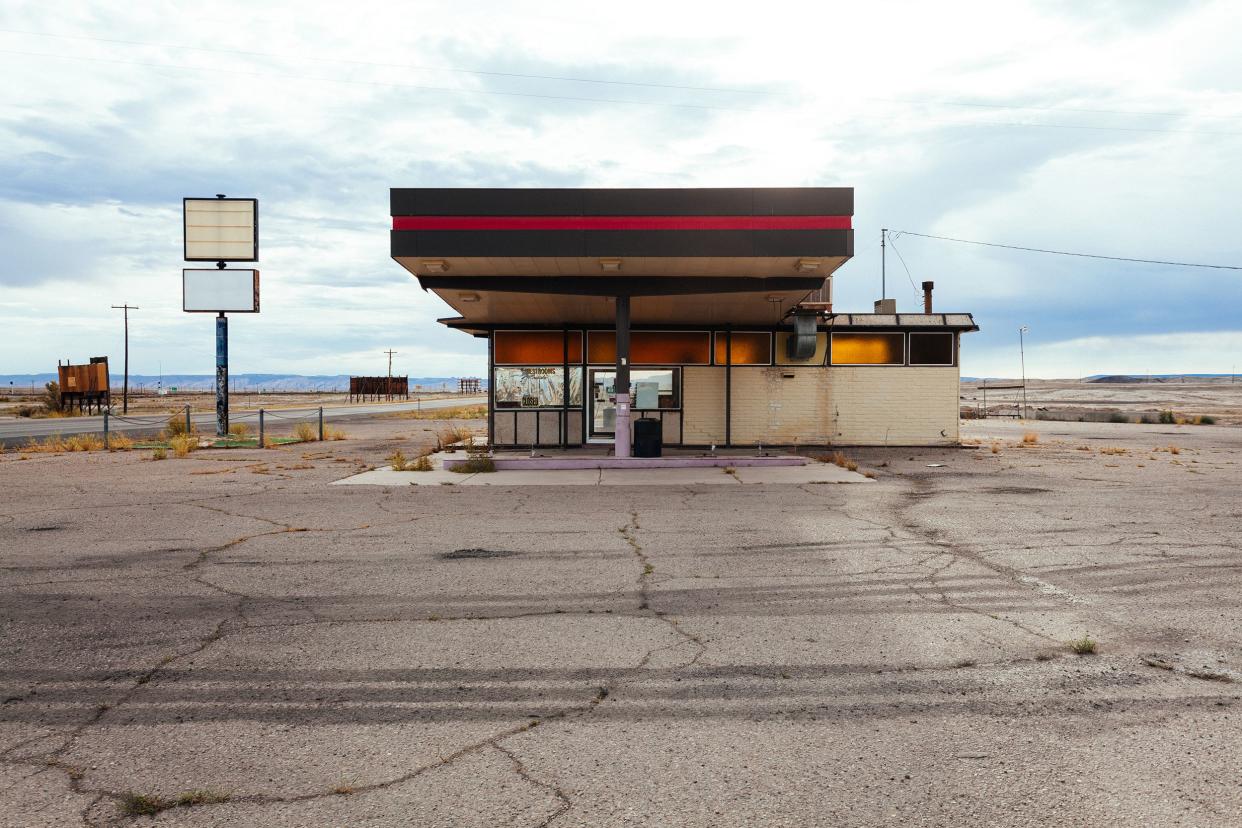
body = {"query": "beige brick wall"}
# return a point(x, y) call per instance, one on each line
point(845, 406)
point(771, 407)
point(703, 404)
point(894, 406)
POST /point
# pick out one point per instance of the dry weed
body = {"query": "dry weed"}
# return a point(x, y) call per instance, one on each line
point(85, 442)
point(177, 426)
point(306, 432)
point(467, 412)
point(1030, 438)
point(183, 444)
point(119, 442)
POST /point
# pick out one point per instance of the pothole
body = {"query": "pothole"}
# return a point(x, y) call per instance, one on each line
point(476, 552)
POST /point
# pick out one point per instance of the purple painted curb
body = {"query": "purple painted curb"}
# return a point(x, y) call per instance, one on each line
point(566, 463)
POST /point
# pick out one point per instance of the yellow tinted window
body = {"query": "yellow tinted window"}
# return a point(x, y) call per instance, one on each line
point(867, 349)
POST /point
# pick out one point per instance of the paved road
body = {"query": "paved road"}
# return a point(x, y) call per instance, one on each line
point(18, 431)
point(281, 652)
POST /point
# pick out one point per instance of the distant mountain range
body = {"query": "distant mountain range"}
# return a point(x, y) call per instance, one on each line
point(237, 382)
point(1118, 378)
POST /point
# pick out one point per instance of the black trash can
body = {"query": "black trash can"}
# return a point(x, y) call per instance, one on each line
point(648, 437)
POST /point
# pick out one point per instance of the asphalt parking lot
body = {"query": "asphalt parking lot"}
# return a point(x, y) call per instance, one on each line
point(228, 640)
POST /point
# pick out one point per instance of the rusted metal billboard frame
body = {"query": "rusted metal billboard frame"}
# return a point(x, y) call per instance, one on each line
point(86, 385)
point(377, 388)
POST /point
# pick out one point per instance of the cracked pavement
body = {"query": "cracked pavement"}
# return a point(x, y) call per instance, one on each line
point(893, 654)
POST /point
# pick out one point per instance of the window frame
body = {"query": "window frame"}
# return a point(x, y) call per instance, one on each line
point(901, 363)
point(635, 365)
point(719, 336)
point(952, 349)
point(558, 331)
point(560, 368)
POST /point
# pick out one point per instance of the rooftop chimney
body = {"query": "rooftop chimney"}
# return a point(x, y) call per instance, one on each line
point(927, 290)
point(885, 305)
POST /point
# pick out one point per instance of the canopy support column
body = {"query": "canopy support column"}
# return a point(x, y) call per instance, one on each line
point(622, 384)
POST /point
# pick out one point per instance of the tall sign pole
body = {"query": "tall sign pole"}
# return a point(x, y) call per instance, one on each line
point(221, 230)
point(222, 375)
point(125, 384)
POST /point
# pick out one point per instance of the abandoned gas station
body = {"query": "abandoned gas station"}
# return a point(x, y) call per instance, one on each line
point(704, 315)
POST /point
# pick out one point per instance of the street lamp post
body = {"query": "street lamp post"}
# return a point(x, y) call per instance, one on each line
point(1022, 356)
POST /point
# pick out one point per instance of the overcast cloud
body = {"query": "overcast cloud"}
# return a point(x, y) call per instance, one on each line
point(1103, 128)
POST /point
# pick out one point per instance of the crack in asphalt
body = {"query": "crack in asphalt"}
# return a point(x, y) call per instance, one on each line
point(521, 770)
point(236, 622)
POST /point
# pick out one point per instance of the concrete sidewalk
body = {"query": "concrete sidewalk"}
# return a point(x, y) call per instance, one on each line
point(788, 475)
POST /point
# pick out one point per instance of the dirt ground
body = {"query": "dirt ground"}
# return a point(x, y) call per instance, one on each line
point(206, 401)
point(1217, 397)
point(228, 640)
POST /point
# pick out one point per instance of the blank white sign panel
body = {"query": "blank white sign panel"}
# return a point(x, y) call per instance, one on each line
point(221, 230)
point(212, 291)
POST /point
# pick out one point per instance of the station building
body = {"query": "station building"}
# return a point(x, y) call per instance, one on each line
point(709, 310)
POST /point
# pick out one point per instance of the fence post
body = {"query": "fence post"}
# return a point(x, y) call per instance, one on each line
point(321, 423)
point(189, 426)
point(106, 430)
point(262, 442)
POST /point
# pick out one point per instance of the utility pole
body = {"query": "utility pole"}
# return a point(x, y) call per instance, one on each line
point(389, 391)
point(1022, 355)
point(125, 386)
point(883, 274)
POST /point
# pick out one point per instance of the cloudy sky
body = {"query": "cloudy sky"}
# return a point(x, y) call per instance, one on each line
point(1115, 131)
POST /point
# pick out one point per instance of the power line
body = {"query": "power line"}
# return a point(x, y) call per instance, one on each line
point(1094, 111)
point(574, 79)
point(484, 72)
point(217, 70)
point(603, 81)
point(892, 243)
point(1068, 253)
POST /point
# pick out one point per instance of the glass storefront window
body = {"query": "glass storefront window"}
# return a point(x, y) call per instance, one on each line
point(746, 348)
point(536, 347)
point(868, 349)
point(537, 387)
point(652, 347)
point(931, 349)
point(655, 388)
point(650, 390)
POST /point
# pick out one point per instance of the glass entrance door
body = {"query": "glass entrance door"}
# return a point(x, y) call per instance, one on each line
point(603, 405)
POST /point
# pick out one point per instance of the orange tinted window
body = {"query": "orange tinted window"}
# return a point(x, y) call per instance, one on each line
point(535, 347)
point(651, 347)
point(868, 349)
point(748, 348)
